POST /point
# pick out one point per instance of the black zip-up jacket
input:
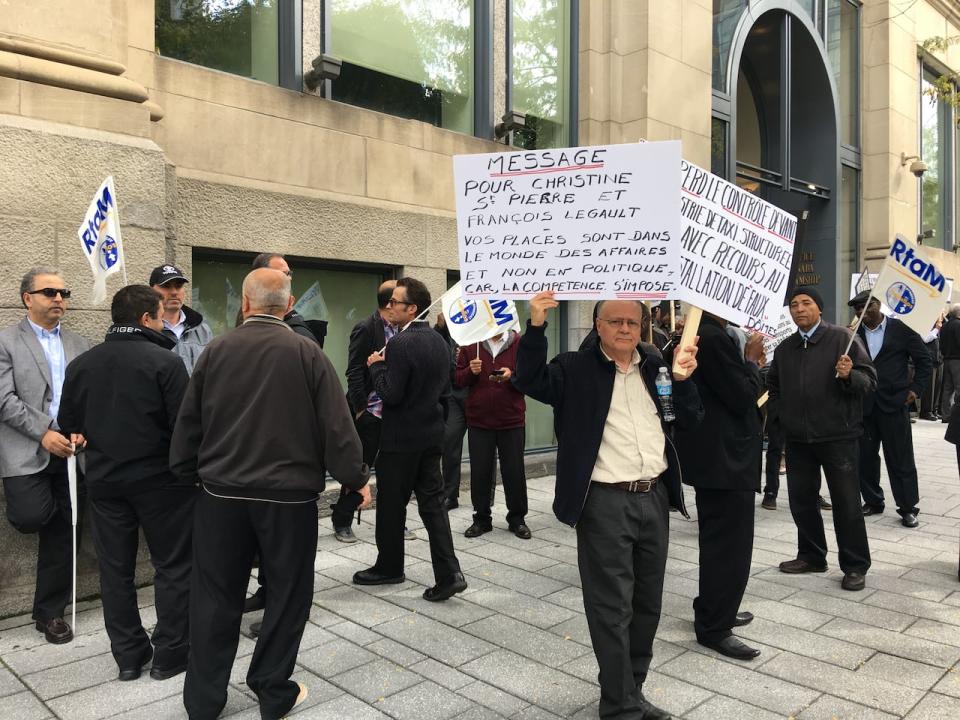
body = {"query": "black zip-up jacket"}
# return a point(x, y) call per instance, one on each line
point(579, 386)
point(123, 395)
point(811, 402)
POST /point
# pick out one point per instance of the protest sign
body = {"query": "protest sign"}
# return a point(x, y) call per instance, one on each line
point(472, 320)
point(735, 251)
point(785, 328)
point(100, 239)
point(862, 281)
point(312, 305)
point(587, 223)
point(911, 286)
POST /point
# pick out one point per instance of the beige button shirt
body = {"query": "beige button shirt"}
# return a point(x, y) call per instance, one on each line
point(633, 444)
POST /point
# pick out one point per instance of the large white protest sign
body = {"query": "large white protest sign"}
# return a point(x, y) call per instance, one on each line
point(735, 253)
point(587, 223)
point(785, 328)
point(911, 286)
point(100, 239)
point(472, 320)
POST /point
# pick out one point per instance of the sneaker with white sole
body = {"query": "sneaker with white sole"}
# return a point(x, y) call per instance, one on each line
point(345, 534)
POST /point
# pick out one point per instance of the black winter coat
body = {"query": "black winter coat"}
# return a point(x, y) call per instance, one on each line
point(579, 386)
point(123, 396)
point(901, 345)
point(366, 337)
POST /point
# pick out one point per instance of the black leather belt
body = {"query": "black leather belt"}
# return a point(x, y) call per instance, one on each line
point(637, 486)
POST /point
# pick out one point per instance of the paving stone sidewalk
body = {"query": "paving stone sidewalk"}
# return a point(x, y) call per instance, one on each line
point(515, 645)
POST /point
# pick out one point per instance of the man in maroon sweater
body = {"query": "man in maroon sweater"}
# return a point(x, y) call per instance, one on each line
point(496, 413)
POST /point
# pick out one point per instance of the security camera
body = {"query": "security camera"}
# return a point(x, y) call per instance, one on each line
point(918, 168)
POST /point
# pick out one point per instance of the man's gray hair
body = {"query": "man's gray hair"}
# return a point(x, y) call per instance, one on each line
point(267, 297)
point(639, 303)
point(954, 312)
point(26, 283)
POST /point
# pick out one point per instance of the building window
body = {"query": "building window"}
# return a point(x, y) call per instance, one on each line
point(718, 148)
point(936, 140)
point(340, 296)
point(849, 232)
point(726, 16)
point(410, 58)
point(235, 36)
point(843, 47)
point(540, 71)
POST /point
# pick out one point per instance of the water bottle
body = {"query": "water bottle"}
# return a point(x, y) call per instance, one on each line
point(665, 395)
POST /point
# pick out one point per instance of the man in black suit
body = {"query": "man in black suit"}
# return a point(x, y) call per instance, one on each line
point(368, 336)
point(886, 411)
point(950, 351)
point(721, 459)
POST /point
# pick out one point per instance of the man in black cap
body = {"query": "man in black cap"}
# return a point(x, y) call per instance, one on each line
point(886, 411)
point(817, 385)
point(181, 324)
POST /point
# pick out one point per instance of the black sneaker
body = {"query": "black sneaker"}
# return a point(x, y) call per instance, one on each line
point(769, 502)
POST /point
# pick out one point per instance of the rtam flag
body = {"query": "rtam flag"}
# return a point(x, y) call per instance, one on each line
point(911, 286)
point(99, 235)
point(473, 320)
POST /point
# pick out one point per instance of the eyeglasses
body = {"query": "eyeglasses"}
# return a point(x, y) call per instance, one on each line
point(391, 302)
point(619, 322)
point(51, 292)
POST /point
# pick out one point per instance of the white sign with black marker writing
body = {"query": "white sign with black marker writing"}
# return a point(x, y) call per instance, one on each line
point(735, 253)
point(588, 223)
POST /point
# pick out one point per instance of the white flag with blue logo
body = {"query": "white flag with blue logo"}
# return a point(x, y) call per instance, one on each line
point(911, 286)
point(473, 320)
point(100, 239)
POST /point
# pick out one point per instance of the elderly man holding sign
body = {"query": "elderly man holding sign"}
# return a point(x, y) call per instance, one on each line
point(617, 476)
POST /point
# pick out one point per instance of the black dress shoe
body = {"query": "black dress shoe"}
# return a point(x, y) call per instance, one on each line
point(162, 673)
point(853, 581)
point(732, 646)
point(521, 531)
point(477, 529)
point(795, 567)
point(909, 520)
point(55, 630)
point(869, 510)
point(132, 673)
point(257, 601)
point(373, 577)
point(444, 591)
point(451, 503)
point(651, 711)
point(743, 618)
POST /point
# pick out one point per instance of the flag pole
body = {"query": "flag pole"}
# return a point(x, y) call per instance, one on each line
point(856, 325)
point(72, 488)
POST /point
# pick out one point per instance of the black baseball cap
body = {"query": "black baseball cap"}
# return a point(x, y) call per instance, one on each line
point(163, 274)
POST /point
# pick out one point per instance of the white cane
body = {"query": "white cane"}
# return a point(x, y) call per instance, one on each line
point(72, 483)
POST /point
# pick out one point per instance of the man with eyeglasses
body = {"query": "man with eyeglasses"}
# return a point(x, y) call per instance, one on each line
point(182, 324)
point(34, 355)
point(617, 476)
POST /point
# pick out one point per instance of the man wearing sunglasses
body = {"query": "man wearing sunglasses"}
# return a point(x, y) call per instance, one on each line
point(182, 324)
point(33, 359)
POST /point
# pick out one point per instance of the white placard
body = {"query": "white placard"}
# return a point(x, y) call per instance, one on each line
point(912, 286)
point(735, 252)
point(785, 328)
point(588, 223)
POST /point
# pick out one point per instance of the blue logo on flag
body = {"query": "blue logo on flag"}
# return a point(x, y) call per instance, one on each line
point(900, 298)
point(109, 254)
point(467, 313)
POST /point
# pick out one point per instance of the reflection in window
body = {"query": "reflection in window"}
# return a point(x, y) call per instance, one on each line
point(341, 297)
point(726, 15)
point(849, 223)
point(236, 36)
point(933, 136)
point(842, 43)
point(718, 148)
point(540, 61)
point(540, 416)
point(411, 58)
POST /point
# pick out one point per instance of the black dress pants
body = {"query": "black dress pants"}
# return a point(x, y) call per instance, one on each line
point(839, 460)
point(622, 554)
point(368, 428)
point(485, 447)
point(725, 519)
point(40, 503)
point(226, 532)
point(774, 455)
point(166, 516)
point(892, 430)
point(454, 429)
point(399, 474)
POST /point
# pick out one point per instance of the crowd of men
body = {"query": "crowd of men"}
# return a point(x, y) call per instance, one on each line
point(218, 449)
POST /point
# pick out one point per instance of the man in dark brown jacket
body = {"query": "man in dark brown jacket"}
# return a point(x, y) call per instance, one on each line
point(263, 419)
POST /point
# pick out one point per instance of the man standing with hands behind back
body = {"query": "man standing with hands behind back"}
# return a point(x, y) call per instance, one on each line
point(617, 475)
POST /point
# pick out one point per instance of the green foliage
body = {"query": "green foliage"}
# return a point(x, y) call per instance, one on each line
point(943, 88)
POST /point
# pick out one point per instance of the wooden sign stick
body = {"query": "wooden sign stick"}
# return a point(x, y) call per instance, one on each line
point(690, 329)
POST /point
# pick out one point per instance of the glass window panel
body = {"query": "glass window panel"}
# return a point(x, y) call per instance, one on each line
point(236, 36)
point(540, 59)
point(412, 58)
point(848, 235)
point(726, 16)
point(932, 139)
point(807, 6)
point(749, 137)
point(718, 148)
point(843, 29)
point(345, 297)
point(540, 416)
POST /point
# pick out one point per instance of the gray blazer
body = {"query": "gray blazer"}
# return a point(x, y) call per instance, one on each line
point(25, 395)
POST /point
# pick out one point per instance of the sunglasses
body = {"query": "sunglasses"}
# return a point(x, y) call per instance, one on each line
point(51, 292)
